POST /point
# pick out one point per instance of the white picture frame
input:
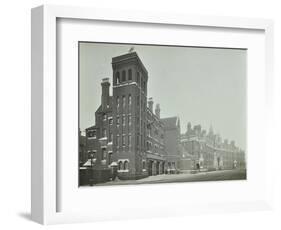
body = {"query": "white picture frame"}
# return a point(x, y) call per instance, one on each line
point(45, 182)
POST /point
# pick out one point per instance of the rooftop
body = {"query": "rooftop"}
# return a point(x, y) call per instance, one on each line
point(128, 57)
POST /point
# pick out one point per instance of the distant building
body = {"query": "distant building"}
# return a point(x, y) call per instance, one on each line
point(127, 132)
point(208, 151)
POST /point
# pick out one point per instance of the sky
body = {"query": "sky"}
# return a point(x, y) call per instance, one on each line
point(204, 86)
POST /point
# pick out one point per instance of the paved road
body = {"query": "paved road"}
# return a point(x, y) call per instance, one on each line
point(202, 176)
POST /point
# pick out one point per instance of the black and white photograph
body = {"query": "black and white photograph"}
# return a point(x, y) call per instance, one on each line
point(160, 114)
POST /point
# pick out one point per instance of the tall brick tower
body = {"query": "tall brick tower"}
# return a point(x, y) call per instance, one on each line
point(129, 114)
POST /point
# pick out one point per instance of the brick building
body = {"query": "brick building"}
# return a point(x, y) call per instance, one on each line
point(127, 132)
point(208, 151)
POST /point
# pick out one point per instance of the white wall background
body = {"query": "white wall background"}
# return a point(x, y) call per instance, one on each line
point(15, 112)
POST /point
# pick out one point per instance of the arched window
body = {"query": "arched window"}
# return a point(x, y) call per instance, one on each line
point(120, 164)
point(129, 74)
point(123, 76)
point(126, 165)
point(117, 78)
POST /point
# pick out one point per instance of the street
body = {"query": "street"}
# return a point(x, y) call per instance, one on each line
point(185, 177)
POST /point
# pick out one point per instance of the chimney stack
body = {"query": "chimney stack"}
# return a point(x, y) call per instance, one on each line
point(105, 93)
point(157, 110)
point(150, 104)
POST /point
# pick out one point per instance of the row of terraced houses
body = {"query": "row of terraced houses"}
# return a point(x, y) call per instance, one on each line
point(130, 134)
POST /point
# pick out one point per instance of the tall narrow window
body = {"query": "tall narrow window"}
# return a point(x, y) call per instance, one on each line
point(117, 140)
point(130, 100)
point(130, 75)
point(123, 76)
point(117, 78)
point(110, 136)
point(104, 132)
point(129, 139)
point(143, 165)
point(120, 165)
point(110, 158)
point(124, 101)
point(126, 165)
point(129, 120)
point(117, 101)
point(123, 120)
point(117, 120)
point(103, 154)
point(123, 140)
point(138, 77)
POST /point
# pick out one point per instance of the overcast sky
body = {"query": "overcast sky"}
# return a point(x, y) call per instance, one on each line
point(205, 86)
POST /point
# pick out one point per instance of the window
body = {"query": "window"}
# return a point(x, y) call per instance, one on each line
point(104, 132)
point(120, 165)
point(123, 76)
point(117, 78)
point(117, 120)
point(104, 117)
point(110, 136)
point(110, 157)
point(126, 165)
point(143, 165)
point(123, 120)
point(129, 140)
point(123, 140)
point(129, 120)
point(130, 99)
point(130, 75)
point(92, 134)
point(124, 101)
point(110, 121)
point(149, 131)
point(117, 101)
point(138, 77)
point(103, 156)
point(117, 140)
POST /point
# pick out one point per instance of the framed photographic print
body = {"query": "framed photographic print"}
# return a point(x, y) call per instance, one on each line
point(129, 108)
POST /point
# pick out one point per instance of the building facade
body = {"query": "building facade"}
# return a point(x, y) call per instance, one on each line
point(127, 131)
point(207, 151)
